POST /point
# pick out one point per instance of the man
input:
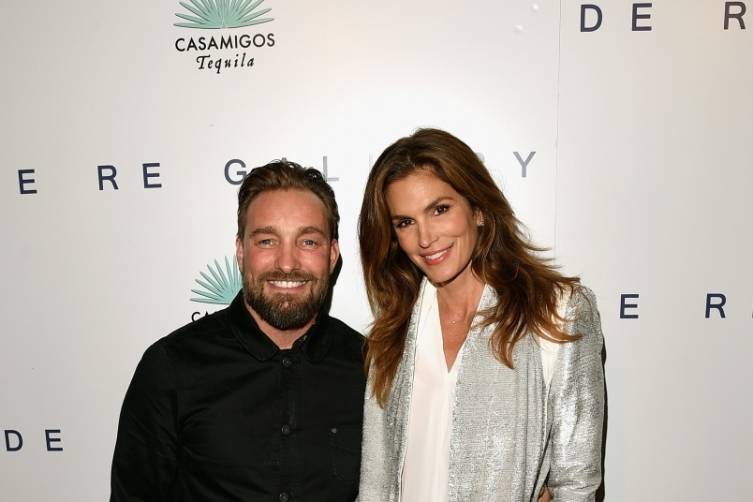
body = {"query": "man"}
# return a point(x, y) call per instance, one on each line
point(261, 401)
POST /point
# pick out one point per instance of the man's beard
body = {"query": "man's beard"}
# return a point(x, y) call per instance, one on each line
point(285, 311)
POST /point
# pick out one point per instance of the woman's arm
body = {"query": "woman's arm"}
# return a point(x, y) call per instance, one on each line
point(577, 405)
point(544, 495)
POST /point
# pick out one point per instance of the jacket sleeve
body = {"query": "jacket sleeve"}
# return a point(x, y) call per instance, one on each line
point(373, 457)
point(143, 466)
point(577, 406)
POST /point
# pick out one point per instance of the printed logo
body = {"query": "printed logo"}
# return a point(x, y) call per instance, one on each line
point(223, 52)
point(219, 286)
point(217, 14)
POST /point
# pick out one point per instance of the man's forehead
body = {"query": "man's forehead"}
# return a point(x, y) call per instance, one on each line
point(287, 210)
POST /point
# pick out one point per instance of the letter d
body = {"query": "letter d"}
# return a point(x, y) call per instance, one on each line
point(19, 440)
point(599, 17)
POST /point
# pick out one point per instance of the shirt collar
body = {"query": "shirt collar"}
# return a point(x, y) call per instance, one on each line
point(315, 343)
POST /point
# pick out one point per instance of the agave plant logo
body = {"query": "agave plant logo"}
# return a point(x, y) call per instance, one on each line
point(218, 14)
point(220, 286)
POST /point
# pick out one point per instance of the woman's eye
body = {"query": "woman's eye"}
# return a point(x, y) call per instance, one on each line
point(402, 223)
point(442, 208)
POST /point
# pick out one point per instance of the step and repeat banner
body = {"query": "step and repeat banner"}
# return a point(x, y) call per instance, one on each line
point(621, 131)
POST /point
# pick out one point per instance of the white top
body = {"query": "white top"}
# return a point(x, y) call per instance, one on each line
point(426, 468)
point(425, 472)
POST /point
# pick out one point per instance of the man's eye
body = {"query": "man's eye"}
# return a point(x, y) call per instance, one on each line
point(310, 243)
point(265, 242)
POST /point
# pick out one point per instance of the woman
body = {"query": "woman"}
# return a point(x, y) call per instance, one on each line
point(485, 374)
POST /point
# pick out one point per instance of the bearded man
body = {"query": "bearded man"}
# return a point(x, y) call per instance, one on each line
point(263, 400)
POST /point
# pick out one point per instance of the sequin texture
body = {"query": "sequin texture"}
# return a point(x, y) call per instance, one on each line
point(509, 432)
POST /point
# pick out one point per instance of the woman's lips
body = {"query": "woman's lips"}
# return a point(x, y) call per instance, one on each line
point(436, 257)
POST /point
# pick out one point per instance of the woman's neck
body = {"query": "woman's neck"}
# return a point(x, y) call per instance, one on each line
point(460, 297)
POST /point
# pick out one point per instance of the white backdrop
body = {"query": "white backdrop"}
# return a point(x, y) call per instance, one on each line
point(640, 181)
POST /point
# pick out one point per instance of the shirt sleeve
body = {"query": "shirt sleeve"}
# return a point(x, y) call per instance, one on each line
point(577, 406)
point(143, 466)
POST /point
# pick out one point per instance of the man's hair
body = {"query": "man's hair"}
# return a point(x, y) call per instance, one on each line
point(286, 175)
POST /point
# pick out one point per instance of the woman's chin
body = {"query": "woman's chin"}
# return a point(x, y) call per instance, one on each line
point(446, 274)
point(441, 277)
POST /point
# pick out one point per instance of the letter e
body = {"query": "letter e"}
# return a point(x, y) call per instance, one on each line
point(637, 16)
point(50, 439)
point(23, 180)
point(148, 174)
point(624, 305)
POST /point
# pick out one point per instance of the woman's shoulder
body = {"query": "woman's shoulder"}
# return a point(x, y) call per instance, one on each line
point(582, 315)
point(573, 301)
point(580, 299)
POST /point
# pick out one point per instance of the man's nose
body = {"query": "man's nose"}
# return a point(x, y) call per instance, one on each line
point(287, 259)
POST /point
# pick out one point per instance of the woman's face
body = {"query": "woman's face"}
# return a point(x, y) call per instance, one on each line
point(435, 226)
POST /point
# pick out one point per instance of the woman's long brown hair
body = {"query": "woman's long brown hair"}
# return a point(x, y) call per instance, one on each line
point(528, 287)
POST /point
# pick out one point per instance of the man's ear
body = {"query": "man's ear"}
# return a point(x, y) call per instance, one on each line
point(239, 252)
point(334, 254)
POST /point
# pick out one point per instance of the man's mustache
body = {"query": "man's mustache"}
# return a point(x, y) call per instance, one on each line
point(289, 276)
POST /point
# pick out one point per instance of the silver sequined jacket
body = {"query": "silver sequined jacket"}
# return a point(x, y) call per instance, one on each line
point(509, 432)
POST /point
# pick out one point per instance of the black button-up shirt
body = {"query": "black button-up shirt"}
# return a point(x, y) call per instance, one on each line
point(217, 412)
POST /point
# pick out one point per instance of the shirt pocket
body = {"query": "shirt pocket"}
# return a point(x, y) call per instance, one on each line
point(345, 452)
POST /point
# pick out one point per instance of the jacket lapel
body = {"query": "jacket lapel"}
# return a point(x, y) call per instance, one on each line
point(398, 405)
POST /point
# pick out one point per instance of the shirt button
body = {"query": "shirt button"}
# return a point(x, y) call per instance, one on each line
point(285, 429)
point(284, 497)
point(333, 430)
point(287, 362)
